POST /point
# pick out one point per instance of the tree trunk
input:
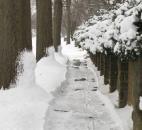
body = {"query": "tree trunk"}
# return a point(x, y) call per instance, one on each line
point(15, 36)
point(68, 21)
point(137, 92)
point(122, 82)
point(57, 20)
point(113, 73)
point(44, 27)
point(102, 64)
point(107, 69)
point(99, 61)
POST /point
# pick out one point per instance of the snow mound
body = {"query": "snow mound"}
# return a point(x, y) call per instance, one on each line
point(24, 107)
point(26, 70)
point(50, 73)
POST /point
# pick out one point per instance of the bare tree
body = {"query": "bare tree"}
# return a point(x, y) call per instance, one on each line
point(68, 10)
point(57, 20)
point(44, 27)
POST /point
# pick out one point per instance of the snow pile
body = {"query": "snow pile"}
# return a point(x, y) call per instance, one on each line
point(71, 52)
point(116, 30)
point(26, 70)
point(50, 71)
point(24, 106)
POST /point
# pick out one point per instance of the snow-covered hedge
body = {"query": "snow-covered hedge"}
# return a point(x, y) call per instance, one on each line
point(116, 30)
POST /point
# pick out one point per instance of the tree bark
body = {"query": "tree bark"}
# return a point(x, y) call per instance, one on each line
point(68, 21)
point(44, 27)
point(113, 73)
point(136, 73)
point(15, 36)
point(122, 82)
point(102, 64)
point(57, 20)
point(107, 69)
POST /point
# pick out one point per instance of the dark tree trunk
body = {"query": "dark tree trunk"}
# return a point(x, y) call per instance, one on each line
point(107, 69)
point(130, 84)
point(44, 27)
point(113, 73)
point(136, 73)
point(96, 60)
point(68, 21)
point(122, 82)
point(15, 36)
point(102, 64)
point(92, 57)
point(57, 20)
point(99, 61)
point(23, 24)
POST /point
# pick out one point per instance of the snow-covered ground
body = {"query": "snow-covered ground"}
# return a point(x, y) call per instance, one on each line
point(43, 99)
point(77, 105)
point(124, 115)
point(23, 107)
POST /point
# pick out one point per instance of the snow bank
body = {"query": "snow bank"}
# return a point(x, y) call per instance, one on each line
point(23, 107)
point(50, 71)
point(72, 52)
point(122, 116)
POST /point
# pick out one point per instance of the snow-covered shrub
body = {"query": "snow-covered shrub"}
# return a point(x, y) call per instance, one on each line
point(116, 30)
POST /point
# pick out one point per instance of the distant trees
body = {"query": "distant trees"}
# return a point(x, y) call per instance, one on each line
point(44, 27)
point(57, 22)
point(15, 36)
point(80, 11)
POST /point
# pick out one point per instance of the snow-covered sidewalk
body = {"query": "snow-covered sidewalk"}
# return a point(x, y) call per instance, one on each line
point(77, 104)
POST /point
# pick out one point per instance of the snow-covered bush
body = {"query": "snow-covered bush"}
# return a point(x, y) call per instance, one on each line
point(118, 30)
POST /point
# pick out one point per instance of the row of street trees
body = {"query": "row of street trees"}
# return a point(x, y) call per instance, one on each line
point(114, 42)
point(15, 33)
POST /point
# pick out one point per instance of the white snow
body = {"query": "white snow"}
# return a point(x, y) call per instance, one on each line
point(23, 107)
point(50, 73)
point(72, 52)
point(123, 116)
point(77, 105)
point(140, 103)
point(34, 45)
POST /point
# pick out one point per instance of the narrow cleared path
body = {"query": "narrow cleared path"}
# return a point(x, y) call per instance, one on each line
point(76, 105)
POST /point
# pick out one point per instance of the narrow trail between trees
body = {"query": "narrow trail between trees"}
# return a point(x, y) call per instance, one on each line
point(76, 104)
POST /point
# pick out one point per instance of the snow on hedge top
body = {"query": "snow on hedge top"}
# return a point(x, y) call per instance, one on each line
point(117, 30)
